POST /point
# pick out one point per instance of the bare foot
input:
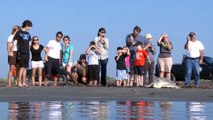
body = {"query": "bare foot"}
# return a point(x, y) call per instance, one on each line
point(9, 85)
point(25, 85)
point(20, 85)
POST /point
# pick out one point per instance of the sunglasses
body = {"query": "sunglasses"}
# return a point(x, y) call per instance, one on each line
point(59, 36)
point(103, 31)
point(35, 39)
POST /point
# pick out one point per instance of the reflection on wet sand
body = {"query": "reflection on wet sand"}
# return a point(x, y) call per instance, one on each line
point(92, 110)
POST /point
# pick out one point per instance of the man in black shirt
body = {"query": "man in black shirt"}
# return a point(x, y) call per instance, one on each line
point(22, 39)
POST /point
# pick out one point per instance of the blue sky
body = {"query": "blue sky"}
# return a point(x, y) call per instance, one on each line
point(81, 19)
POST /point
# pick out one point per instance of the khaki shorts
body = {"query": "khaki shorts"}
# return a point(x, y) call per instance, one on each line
point(165, 64)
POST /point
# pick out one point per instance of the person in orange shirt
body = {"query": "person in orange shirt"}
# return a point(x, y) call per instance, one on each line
point(139, 63)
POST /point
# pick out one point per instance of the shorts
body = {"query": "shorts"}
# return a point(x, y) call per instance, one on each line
point(64, 64)
point(139, 70)
point(165, 64)
point(93, 72)
point(52, 67)
point(37, 64)
point(12, 60)
point(128, 70)
point(121, 75)
point(24, 60)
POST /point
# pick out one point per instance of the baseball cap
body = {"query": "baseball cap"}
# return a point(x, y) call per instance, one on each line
point(148, 36)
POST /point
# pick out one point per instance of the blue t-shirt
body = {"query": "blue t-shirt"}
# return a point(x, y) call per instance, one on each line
point(66, 53)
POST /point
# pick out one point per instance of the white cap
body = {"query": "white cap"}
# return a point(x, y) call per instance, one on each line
point(148, 36)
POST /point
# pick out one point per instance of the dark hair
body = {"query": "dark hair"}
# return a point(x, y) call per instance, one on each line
point(27, 23)
point(101, 30)
point(137, 28)
point(138, 43)
point(82, 56)
point(119, 48)
point(192, 34)
point(66, 36)
point(34, 38)
point(92, 43)
point(59, 32)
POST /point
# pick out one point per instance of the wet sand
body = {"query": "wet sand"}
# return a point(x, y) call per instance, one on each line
point(67, 93)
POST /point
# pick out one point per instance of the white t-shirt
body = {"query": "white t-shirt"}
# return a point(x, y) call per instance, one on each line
point(194, 48)
point(103, 48)
point(93, 58)
point(10, 39)
point(55, 49)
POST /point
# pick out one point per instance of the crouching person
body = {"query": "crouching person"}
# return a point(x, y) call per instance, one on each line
point(79, 70)
point(53, 58)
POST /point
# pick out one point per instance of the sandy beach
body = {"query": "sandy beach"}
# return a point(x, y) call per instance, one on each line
point(67, 93)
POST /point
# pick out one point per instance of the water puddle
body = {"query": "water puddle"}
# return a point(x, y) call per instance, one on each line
point(112, 110)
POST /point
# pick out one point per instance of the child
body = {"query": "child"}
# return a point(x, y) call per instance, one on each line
point(93, 57)
point(120, 67)
point(141, 56)
point(127, 63)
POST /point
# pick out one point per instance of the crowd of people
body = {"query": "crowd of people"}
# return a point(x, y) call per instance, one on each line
point(134, 61)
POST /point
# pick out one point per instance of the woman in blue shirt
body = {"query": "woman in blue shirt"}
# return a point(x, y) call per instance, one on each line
point(67, 50)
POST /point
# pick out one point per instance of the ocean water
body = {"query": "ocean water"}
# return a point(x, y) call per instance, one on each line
point(106, 110)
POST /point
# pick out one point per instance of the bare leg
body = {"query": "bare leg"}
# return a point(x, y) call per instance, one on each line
point(33, 76)
point(128, 79)
point(55, 81)
point(84, 75)
point(40, 76)
point(24, 76)
point(117, 83)
point(124, 81)
point(10, 74)
point(20, 77)
point(95, 82)
point(161, 75)
point(74, 77)
point(168, 75)
point(142, 81)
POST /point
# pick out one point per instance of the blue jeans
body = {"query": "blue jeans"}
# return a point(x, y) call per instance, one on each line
point(192, 65)
point(103, 70)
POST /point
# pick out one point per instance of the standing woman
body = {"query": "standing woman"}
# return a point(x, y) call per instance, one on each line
point(67, 50)
point(165, 56)
point(37, 62)
point(103, 44)
point(12, 60)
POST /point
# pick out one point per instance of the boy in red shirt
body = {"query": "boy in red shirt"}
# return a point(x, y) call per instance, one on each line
point(139, 62)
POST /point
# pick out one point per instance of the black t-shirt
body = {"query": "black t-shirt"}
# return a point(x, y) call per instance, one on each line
point(36, 54)
point(120, 63)
point(23, 38)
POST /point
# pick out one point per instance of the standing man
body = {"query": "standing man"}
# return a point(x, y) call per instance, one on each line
point(102, 43)
point(22, 39)
point(53, 58)
point(131, 39)
point(195, 53)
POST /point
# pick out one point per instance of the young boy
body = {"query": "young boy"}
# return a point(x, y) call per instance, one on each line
point(120, 67)
point(93, 56)
point(139, 62)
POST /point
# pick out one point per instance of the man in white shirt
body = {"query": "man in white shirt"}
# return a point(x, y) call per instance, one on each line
point(195, 53)
point(53, 58)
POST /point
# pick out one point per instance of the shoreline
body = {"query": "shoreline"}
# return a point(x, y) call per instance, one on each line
point(67, 93)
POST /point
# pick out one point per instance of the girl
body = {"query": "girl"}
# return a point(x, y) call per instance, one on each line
point(67, 50)
point(127, 63)
point(37, 62)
